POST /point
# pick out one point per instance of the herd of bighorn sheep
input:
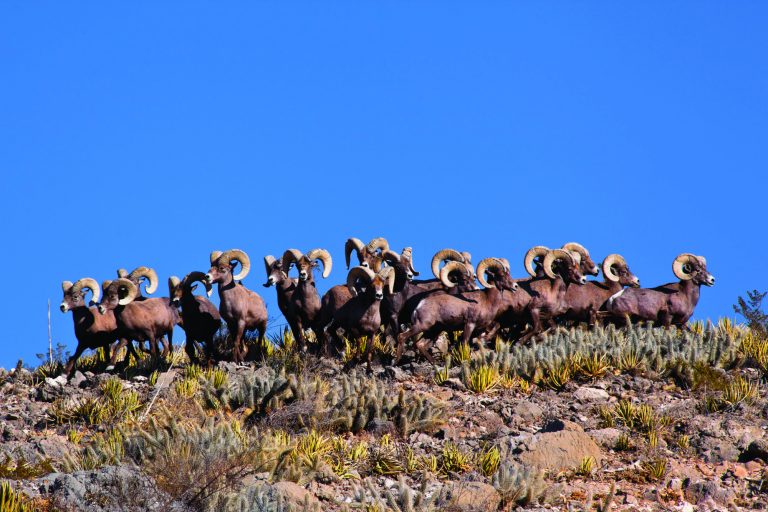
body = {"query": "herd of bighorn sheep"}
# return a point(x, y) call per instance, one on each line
point(381, 294)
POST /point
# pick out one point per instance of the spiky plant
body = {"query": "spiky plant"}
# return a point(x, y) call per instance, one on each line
point(482, 379)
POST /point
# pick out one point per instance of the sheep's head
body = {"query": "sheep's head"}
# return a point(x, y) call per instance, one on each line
point(74, 293)
point(494, 273)
point(586, 264)
point(449, 256)
point(615, 269)
point(274, 269)
point(370, 255)
point(119, 292)
point(563, 264)
point(402, 263)
point(305, 263)
point(223, 265)
point(178, 288)
point(689, 267)
point(375, 284)
point(148, 275)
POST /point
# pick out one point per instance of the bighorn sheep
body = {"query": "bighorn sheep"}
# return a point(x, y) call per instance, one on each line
point(298, 299)
point(199, 317)
point(368, 255)
point(668, 304)
point(471, 311)
point(360, 315)
point(241, 308)
point(136, 275)
point(547, 293)
point(397, 308)
point(586, 264)
point(92, 330)
point(585, 301)
point(146, 320)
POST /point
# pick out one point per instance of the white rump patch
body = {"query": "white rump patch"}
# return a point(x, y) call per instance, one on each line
point(615, 296)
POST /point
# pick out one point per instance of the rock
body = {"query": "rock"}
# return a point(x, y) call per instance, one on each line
point(739, 471)
point(587, 394)
point(753, 466)
point(140, 378)
point(526, 412)
point(757, 449)
point(560, 425)
point(702, 490)
point(718, 449)
point(78, 379)
point(607, 437)
point(53, 383)
point(295, 494)
point(558, 450)
point(166, 378)
point(396, 373)
point(474, 497)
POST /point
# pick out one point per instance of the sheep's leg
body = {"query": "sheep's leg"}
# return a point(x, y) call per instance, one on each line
point(190, 349)
point(401, 339)
point(69, 370)
point(116, 351)
point(169, 347)
point(238, 349)
point(421, 347)
point(535, 327)
point(369, 351)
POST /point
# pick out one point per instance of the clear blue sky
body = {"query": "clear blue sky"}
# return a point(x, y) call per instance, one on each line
point(147, 134)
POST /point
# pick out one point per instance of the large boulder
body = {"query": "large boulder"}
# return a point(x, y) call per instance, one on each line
point(558, 451)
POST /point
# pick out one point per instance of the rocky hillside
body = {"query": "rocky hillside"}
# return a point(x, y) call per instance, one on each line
point(624, 420)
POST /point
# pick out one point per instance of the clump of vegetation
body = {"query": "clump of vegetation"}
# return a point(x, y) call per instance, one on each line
point(518, 485)
point(14, 501)
point(19, 468)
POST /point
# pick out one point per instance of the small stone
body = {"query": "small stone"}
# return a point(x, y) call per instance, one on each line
point(587, 394)
point(740, 471)
point(140, 378)
point(753, 466)
point(78, 379)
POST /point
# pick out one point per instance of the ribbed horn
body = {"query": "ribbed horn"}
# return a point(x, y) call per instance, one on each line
point(121, 272)
point(407, 254)
point(197, 276)
point(377, 243)
point(147, 273)
point(90, 284)
point(538, 251)
point(450, 267)
point(573, 246)
point(445, 254)
point(324, 257)
point(388, 273)
point(486, 265)
point(353, 244)
point(269, 260)
point(173, 283)
point(678, 266)
point(215, 255)
point(390, 256)
point(66, 285)
point(356, 273)
point(551, 257)
point(132, 291)
point(609, 262)
point(291, 256)
point(242, 258)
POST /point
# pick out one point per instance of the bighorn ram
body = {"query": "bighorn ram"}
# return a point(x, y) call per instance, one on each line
point(397, 308)
point(368, 255)
point(199, 317)
point(136, 275)
point(585, 301)
point(668, 304)
point(547, 293)
point(298, 299)
point(92, 330)
point(587, 265)
point(241, 308)
point(360, 315)
point(472, 311)
point(146, 320)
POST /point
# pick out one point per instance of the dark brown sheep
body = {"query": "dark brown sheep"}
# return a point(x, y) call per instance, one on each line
point(199, 317)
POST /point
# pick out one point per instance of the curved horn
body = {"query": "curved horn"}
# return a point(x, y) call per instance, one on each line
point(407, 254)
point(66, 285)
point(388, 273)
point(573, 246)
point(148, 273)
point(575, 255)
point(121, 272)
point(105, 284)
point(486, 265)
point(377, 243)
point(390, 255)
point(290, 256)
point(197, 276)
point(131, 289)
point(325, 257)
point(90, 284)
point(449, 267)
point(358, 273)
point(609, 262)
point(467, 257)
point(445, 254)
point(703, 260)
point(533, 253)
point(239, 256)
point(268, 261)
point(505, 262)
point(215, 255)
point(678, 266)
point(173, 283)
point(353, 244)
point(551, 257)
